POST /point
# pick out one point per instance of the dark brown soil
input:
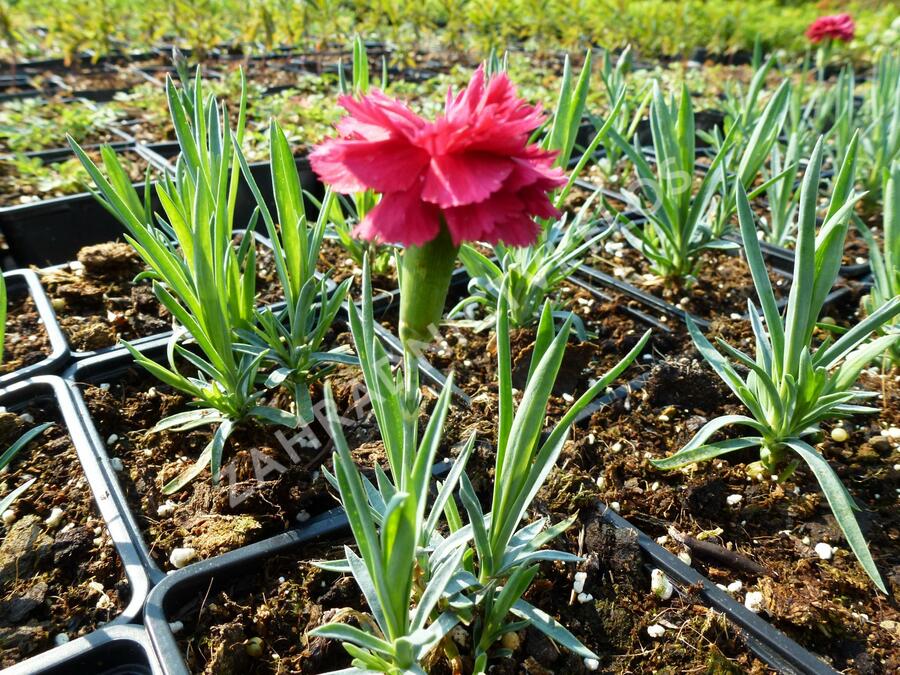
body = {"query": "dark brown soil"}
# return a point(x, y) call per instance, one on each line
point(26, 341)
point(63, 580)
point(98, 304)
point(278, 605)
point(16, 188)
point(333, 256)
point(722, 287)
point(472, 353)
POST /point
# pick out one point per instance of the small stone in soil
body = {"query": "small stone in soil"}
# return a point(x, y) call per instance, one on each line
point(55, 518)
point(824, 550)
point(578, 584)
point(839, 435)
point(754, 601)
point(660, 584)
point(655, 631)
point(181, 557)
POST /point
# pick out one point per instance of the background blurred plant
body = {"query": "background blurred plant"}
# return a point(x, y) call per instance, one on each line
point(34, 124)
point(654, 27)
point(634, 101)
point(783, 194)
point(880, 113)
point(884, 259)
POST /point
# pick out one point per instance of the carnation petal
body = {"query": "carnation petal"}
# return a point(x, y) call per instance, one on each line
point(484, 221)
point(385, 166)
point(465, 178)
point(326, 161)
point(375, 113)
point(400, 218)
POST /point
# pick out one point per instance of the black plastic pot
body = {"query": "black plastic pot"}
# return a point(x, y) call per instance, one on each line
point(188, 587)
point(78, 354)
point(56, 389)
point(107, 368)
point(111, 650)
point(26, 282)
point(85, 60)
point(764, 640)
point(51, 232)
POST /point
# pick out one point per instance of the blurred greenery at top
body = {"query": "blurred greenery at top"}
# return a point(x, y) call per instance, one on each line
point(64, 28)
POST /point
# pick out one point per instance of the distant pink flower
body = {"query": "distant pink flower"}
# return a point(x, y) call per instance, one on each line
point(473, 166)
point(834, 27)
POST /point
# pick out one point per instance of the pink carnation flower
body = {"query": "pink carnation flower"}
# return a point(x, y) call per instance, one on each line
point(835, 27)
point(473, 166)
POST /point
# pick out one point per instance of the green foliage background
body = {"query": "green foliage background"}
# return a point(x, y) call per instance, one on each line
point(30, 28)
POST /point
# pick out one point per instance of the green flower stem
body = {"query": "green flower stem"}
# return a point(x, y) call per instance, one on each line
point(424, 281)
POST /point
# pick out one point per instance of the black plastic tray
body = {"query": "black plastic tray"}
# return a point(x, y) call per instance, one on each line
point(51, 232)
point(191, 584)
point(27, 280)
point(108, 367)
point(20, 394)
point(111, 650)
point(605, 280)
point(78, 354)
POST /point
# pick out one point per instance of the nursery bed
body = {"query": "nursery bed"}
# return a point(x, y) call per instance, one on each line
point(827, 606)
point(275, 605)
point(722, 287)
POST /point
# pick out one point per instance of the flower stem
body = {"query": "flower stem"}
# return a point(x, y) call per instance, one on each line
point(424, 281)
